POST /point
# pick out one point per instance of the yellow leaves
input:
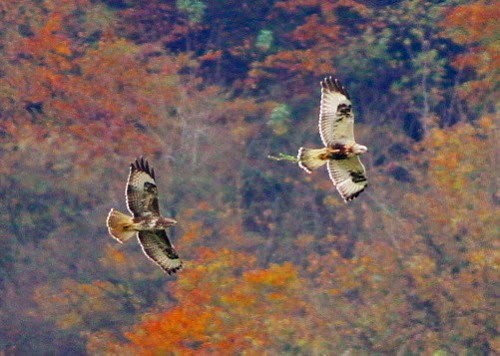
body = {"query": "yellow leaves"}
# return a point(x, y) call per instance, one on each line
point(193, 232)
point(473, 22)
point(117, 256)
point(455, 154)
point(69, 320)
point(239, 299)
point(74, 304)
point(476, 26)
point(457, 206)
point(448, 161)
point(484, 258)
point(438, 137)
point(335, 291)
point(63, 49)
point(275, 276)
point(421, 265)
point(210, 268)
point(277, 297)
point(371, 275)
point(487, 122)
point(330, 199)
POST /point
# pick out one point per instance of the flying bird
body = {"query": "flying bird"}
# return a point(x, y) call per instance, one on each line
point(341, 152)
point(146, 222)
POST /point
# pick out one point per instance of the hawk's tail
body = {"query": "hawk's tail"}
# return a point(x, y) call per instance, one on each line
point(119, 226)
point(310, 159)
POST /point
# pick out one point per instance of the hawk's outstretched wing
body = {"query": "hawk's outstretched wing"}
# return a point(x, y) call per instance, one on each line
point(142, 193)
point(348, 176)
point(158, 248)
point(336, 120)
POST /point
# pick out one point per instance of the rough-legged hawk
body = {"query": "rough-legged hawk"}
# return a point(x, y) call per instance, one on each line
point(146, 223)
point(336, 128)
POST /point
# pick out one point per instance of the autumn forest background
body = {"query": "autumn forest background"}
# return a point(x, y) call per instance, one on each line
point(275, 261)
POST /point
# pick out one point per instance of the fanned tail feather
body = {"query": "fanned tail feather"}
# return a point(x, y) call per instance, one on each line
point(311, 159)
point(120, 225)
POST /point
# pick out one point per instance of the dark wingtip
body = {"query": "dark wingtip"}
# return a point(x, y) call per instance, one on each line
point(142, 164)
point(173, 270)
point(136, 165)
point(333, 84)
point(355, 195)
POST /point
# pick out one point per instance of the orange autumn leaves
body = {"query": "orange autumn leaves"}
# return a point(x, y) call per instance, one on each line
point(476, 26)
point(410, 268)
point(226, 303)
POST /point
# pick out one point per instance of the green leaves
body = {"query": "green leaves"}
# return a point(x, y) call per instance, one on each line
point(280, 119)
point(194, 9)
point(264, 40)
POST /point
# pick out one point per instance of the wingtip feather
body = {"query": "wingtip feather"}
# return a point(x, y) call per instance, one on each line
point(142, 165)
point(175, 269)
point(352, 196)
point(334, 84)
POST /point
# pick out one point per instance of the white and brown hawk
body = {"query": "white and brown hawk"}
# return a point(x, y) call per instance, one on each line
point(341, 152)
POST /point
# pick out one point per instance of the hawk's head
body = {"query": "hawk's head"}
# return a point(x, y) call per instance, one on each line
point(165, 222)
point(359, 149)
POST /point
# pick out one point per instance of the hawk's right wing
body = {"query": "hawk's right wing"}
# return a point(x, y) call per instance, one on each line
point(336, 120)
point(142, 193)
point(158, 248)
point(348, 176)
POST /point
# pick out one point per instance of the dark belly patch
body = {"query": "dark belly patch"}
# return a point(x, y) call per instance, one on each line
point(338, 152)
point(338, 156)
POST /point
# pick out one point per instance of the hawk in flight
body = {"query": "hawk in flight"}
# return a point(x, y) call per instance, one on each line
point(341, 153)
point(146, 222)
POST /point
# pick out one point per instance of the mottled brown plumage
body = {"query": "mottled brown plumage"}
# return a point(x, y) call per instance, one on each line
point(146, 222)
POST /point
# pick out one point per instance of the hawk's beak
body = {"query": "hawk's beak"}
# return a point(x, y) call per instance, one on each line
point(170, 222)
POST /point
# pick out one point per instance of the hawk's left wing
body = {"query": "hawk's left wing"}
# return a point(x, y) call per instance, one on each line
point(348, 176)
point(142, 193)
point(336, 120)
point(158, 248)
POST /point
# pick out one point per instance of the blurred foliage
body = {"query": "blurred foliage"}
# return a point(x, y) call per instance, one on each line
point(193, 8)
point(279, 119)
point(275, 262)
point(264, 40)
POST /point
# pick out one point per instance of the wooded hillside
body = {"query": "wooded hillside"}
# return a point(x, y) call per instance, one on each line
point(275, 261)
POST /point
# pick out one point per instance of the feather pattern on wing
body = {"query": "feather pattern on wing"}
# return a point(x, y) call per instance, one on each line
point(142, 193)
point(348, 176)
point(158, 248)
point(336, 120)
